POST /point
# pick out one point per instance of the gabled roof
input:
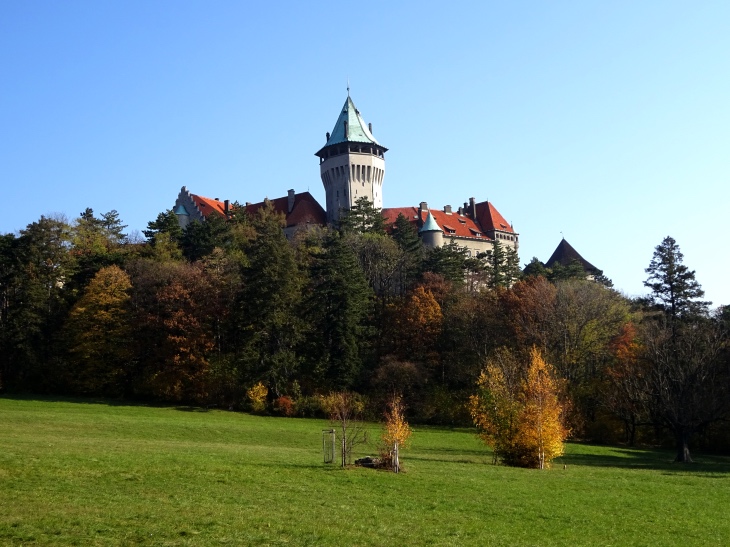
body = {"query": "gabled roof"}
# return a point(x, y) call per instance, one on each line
point(356, 129)
point(208, 205)
point(490, 219)
point(452, 224)
point(565, 254)
point(306, 209)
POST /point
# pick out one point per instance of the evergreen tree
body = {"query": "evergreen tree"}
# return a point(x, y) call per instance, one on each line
point(574, 270)
point(97, 243)
point(165, 223)
point(406, 235)
point(337, 307)
point(448, 261)
point(38, 297)
point(266, 310)
point(363, 217)
point(686, 382)
point(200, 238)
point(536, 268)
point(674, 287)
point(504, 267)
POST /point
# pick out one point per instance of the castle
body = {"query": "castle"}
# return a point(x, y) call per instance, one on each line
point(352, 166)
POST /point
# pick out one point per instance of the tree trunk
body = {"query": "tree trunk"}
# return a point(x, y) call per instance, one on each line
point(630, 426)
point(682, 438)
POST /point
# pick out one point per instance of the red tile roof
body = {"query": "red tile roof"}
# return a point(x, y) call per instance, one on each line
point(208, 206)
point(306, 209)
point(491, 219)
point(455, 224)
point(488, 219)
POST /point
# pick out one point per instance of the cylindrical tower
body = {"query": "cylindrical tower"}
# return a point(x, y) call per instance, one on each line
point(351, 163)
point(431, 234)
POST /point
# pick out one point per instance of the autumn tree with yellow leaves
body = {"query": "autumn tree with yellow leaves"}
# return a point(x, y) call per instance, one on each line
point(396, 434)
point(98, 333)
point(518, 410)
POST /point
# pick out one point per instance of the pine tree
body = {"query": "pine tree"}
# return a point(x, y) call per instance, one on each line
point(448, 261)
point(406, 235)
point(363, 217)
point(266, 310)
point(673, 285)
point(165, 223)
point(337, 307)
point(200, 238)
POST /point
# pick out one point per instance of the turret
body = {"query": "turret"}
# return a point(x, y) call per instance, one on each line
point(431, 234)
point(351, 163)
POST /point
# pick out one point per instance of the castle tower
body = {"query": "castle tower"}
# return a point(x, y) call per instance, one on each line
point(351, 163)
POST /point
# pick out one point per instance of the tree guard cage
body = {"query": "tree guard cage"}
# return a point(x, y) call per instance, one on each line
point(328, 445)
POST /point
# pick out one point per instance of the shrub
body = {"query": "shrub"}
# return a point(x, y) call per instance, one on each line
point(284, 406)
point(257, 397)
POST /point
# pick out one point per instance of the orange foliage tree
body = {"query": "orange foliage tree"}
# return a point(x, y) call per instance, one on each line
point(518, 412)
point(417, 322)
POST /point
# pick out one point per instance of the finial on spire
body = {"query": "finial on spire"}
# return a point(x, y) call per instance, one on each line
point(348, 86)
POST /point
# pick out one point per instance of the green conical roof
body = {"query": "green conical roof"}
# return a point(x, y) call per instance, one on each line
point(430, 225)
point(181, 210)
point(357, 129)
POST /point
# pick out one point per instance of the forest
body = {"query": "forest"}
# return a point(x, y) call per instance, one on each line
point(231, 314)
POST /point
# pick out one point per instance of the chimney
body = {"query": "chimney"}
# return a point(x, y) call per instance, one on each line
point(227, 207)
point(248, 203)
point(290, 201)
point(447, 209)
point(216, 199)
point(473, 208)
point(370, 128)
point(421, 208)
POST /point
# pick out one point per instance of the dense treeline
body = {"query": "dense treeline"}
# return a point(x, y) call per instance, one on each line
point(202, 315)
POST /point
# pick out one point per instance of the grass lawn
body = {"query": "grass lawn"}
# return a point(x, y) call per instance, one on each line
point(89, 473)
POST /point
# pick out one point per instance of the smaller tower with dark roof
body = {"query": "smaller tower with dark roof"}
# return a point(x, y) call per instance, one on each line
point(351, 163)
point(565, 255)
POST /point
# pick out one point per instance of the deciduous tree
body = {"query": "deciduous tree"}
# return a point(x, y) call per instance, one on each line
point(98, 332)
point(518, 411)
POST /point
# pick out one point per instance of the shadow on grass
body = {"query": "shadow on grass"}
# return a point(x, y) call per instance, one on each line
point(634, 458)
point(191, 408)
point(78, 400)
point(455, 451)
point(99, 401)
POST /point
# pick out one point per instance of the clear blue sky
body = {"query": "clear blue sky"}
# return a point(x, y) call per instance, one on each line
point(604, 121)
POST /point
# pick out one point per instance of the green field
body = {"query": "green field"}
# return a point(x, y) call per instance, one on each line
point(90, 473)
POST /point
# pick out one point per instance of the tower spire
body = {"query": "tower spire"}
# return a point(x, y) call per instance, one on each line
point(351, 163)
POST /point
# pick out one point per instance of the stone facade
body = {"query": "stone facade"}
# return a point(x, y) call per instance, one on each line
point(352, 166)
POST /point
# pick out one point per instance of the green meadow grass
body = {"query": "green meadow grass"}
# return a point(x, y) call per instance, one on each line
point(92, 473)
